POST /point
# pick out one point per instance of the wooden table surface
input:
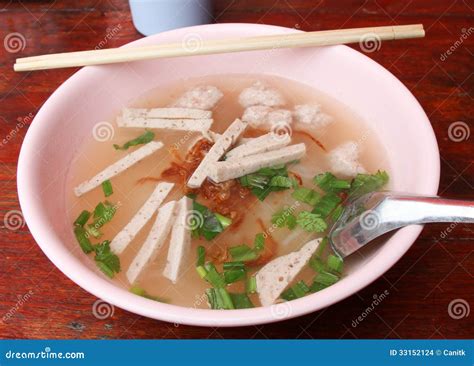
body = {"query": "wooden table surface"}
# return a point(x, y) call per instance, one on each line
point(430, 289)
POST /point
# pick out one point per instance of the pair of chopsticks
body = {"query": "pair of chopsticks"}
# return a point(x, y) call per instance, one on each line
point(207, 47)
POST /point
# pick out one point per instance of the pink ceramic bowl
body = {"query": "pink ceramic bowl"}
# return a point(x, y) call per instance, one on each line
point(95, 93)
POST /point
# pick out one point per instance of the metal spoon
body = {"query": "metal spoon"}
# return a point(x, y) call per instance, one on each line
point(377, 213)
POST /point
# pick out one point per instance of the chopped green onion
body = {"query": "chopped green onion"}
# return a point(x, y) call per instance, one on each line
point(234, 275)
point(224, 221)
point(334, 264)
point(320, 249)
point(365, 183)
point(141, 292)
point(329, 183)
point(233, 265)
point(147, 137)
point(103, 213)
point(243, 253)
point(241, 301)
point(219, 298)
point(326, 278)
point(336, 214)
point(284, 218)
point(107, 261)
point(311, 222)
point(107, 188)
point(306, 195)
point(300, 289)
point(259, 242)
point(214, 277)
point(251, 286)
point(281, 181)
point(326, 205)
point(93, 231)
point(105, 269)
point(201, 256)
point(316, 264)
point(202, 272)
point(82, 239)
point(267, 180)
point(82, 218)
point(206, 223)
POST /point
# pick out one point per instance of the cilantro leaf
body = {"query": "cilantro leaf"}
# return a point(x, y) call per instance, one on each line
point(306, 195)
point(329, 183)
point(311, 222)
point(365, 183)
point(284, 218)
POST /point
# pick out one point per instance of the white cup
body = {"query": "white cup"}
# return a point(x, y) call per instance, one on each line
point(155, 16)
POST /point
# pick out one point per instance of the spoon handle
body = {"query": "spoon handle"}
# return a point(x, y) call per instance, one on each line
point(392, 211)
point(406, 210)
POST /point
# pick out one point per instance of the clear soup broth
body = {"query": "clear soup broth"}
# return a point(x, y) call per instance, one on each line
point(250, 215)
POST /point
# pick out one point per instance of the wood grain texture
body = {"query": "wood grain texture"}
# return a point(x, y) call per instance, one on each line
point(38, 301)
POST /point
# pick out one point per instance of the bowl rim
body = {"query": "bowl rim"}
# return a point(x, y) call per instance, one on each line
point(104, 289)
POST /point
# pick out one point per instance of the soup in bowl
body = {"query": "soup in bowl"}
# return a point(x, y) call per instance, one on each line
point(200, 190)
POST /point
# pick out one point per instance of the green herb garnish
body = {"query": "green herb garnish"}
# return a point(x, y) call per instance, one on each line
point(243, 253)
point(83, 239)
point(141, 292)
point(251, 285)
point(334, 264)
point(326, 205)
point(206, 223)
point(284, 218)
point(329, 183)
point(107, 261)
point(365, 183)
point(306, 195)
point(241, 301)
point(82, 218)
point(234, 275)
point(267, 180)
point(147, 137)
point(311, 222)
point(107, 188)
point(219, 298)
point(201, 256)
point(298, 290)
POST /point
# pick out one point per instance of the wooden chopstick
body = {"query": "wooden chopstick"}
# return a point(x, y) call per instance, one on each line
point(202, 47)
